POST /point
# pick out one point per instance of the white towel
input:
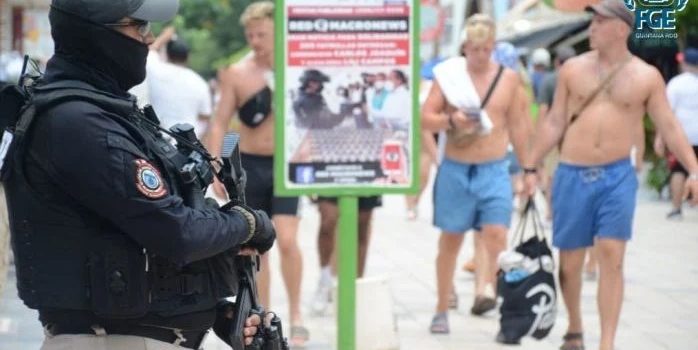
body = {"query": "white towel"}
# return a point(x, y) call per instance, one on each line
point(458, 88)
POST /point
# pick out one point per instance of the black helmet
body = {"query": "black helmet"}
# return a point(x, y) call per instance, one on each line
point(313, 75)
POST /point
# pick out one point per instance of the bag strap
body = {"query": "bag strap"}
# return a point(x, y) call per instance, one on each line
point(493, 85)
point(537, 221)
point(53, 94)
point(517, 237)
point(529, 213)
point(45, 97)
point(593, 95)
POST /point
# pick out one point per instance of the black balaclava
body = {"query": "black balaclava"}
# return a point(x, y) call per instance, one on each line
point(114, 54)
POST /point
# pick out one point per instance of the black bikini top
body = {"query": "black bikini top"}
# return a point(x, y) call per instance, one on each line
point(256, 109)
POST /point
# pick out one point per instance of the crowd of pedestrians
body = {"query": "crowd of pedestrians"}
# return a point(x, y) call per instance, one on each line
point(489, 151)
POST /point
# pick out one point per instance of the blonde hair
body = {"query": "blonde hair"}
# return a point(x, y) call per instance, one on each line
point(257, 10)
point(478, 28)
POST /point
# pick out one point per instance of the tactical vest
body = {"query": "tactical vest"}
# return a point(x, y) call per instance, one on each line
point(67, 257)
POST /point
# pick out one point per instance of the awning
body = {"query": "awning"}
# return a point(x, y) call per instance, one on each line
point(533, 24)
point(546, 37)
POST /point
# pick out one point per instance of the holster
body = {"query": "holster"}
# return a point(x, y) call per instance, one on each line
point(118, 278)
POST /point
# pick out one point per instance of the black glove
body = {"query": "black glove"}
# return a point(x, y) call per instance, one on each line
point(263, 236)
point(211, 203)
point(264, 233)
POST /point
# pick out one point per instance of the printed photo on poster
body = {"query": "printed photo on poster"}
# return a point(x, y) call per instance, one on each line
point(347, 92)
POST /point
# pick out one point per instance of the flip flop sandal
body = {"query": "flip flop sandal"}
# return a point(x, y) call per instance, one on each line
point(299, 335)
point(439, 324)
point(569, 337)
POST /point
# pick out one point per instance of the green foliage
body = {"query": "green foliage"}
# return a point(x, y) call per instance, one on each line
point(687, 26)
point(687, 23)
point(658, 175)
point(650, 132)
point(213, 31)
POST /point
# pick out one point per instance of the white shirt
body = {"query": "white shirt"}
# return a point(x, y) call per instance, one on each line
point(370, 94)
point(682, 92)
point(397, 105)
point(177, 93)
point(141, 93)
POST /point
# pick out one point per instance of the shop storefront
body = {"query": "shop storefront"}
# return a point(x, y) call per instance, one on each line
point(24, 28)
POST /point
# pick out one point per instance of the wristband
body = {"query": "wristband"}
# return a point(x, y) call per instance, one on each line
point(693, 177)
point(530, 171)
point(251, 222)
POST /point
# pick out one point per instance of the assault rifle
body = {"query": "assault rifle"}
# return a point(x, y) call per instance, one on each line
point(246, 303)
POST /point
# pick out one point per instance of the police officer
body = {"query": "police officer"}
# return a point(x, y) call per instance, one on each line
point(310, 106)
point(105, 248)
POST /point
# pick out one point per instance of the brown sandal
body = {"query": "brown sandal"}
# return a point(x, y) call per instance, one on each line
point(570, 337)
point(482, 305)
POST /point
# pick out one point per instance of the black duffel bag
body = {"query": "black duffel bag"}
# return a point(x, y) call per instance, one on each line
point(529, 305)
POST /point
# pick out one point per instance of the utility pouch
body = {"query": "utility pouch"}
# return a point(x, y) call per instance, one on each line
point(119, 283)
point(12, 103)
point(12, 100)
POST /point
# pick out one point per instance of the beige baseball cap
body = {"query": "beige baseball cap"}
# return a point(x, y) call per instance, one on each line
point(613, 8)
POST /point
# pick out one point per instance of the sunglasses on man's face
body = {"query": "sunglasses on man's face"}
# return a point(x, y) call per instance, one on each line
point(142, 26)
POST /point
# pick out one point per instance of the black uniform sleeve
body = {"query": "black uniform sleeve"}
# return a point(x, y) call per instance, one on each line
point(97, 162)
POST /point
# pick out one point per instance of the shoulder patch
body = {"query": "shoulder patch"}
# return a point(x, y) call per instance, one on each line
point(148, 180)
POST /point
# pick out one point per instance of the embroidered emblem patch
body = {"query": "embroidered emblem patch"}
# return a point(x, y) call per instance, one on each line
point(148, 180)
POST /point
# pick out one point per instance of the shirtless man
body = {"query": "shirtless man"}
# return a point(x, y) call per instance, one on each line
point(244, 90)
point(595, 185)
point(472, 188)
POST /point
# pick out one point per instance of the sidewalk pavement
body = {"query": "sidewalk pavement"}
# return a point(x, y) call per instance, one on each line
point(660, 309)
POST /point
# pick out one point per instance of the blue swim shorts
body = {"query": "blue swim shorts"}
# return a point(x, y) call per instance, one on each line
point(593, 201)
point(514, 167)
point(469, 196)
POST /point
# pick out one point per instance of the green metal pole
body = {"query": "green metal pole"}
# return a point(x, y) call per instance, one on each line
point(347, 249)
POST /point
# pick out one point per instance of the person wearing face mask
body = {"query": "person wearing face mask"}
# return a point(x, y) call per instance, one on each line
point(395, 111)
point(377, 96)
point(310, 107)
point(106, 247)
